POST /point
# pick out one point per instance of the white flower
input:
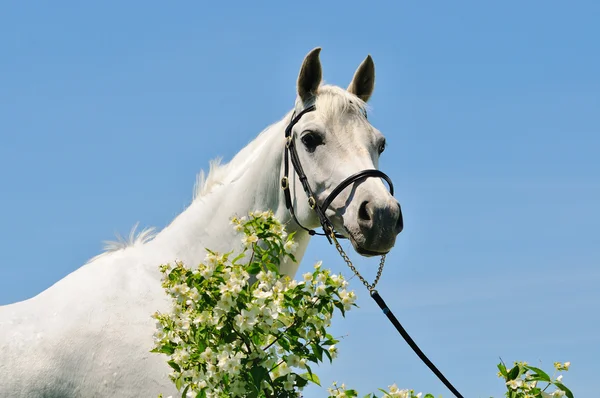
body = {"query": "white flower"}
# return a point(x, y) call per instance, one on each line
point(229, 362)
point(180, 356)
point(291, 284)
point(202, 318)
point(262, 294)
point(265, 277)
point(183, 323)
point(322, 277)
point(397, 393)
point(207, 355)
point(320, 290)
point(293, 361)
point(226, 302)
point(247, 319)
point(333, 351)
point(233, 286)
point(288, 384)
point(347, 298)
point(557, 393)
point(206, 271)
point(281, 370)
point(514, 384)
point(248, 240)
point(531, 384)
point(290, 246)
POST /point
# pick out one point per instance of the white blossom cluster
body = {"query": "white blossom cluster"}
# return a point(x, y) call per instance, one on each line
point(525, 381)
point(226, 337)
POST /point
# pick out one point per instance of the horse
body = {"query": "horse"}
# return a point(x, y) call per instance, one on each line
point(90, 334)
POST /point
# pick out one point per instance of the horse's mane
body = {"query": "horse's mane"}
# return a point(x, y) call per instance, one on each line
point(331, 102)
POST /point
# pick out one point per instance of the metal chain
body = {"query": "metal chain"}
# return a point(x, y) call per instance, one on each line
point(345, 257)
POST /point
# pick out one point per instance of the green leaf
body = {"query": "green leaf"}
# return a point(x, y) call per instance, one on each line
point(513, 373)
point(340, 307)
point(310, 376)
point(238, 258)
point(318, 352)
point(185, 390)
point(258, 374)
point(174, 365)
point(301, 381)
point(328, 355)
point(540, 374)
point(284, 343)
point(200, 343)
point(562, 387)
point(253, 268)
point(502, 369)
point(272, 267)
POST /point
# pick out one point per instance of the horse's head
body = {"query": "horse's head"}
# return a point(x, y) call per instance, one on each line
point(334, 142)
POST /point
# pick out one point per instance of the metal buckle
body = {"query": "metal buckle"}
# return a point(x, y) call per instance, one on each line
point(285, 183)
point(288, 141)
point(312, 202)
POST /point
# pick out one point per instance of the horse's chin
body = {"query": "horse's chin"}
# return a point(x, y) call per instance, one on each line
point(361, 248)
point(369, 253)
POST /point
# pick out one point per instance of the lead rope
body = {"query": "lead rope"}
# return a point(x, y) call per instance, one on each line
point(375, 295)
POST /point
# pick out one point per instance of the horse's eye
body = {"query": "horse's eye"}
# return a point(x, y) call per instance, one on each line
point(311, 141)
point(381, 147)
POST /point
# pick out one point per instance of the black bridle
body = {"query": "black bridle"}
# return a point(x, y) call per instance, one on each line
point(332, 236)
point(292, 154)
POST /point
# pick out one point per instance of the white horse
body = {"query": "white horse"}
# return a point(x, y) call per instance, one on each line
point(90, 334)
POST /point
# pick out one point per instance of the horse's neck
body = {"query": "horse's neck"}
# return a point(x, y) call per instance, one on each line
point(252, 183)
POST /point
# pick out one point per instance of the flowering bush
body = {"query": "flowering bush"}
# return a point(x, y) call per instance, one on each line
point(238, 328)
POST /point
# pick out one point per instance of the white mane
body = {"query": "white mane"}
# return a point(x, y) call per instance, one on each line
point(331, 102)
point(223, 174)
point(133, 240)
point(142, 237)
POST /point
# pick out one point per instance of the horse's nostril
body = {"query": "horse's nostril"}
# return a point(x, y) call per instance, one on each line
point(363, 214)
point(400, 222)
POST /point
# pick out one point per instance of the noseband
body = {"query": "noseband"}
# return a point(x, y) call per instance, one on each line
point(292, 154)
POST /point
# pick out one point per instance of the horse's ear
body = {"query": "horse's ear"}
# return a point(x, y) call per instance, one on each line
point(363, 81)
point(310, 75)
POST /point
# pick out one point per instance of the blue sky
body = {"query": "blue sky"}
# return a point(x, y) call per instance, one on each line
point(491, 112)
